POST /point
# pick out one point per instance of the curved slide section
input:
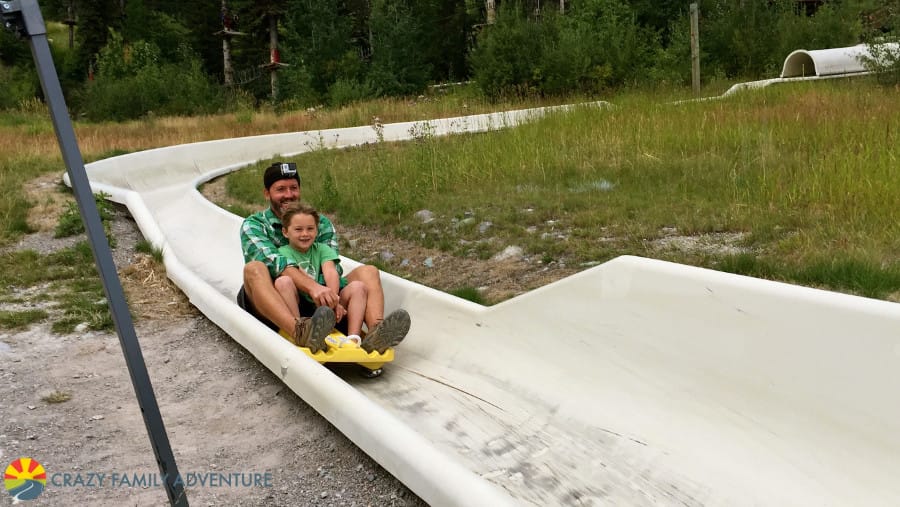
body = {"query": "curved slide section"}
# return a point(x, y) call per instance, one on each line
point(635, 382)
point(833, 63)
point(830, 62)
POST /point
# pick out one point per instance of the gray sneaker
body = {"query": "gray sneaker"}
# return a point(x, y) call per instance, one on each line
point(310, 332)
point(388, 333)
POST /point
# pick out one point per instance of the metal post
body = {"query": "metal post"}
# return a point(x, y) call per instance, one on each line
point(695, 49)
point(24, 17)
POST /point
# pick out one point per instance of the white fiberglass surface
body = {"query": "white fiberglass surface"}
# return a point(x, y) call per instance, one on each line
point(634, 382)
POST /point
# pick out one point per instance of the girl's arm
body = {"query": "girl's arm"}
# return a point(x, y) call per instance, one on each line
point(333, 282)
point(332, 279)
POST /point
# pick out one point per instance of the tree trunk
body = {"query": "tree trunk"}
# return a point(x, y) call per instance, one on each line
point(274, 58)
point(70, 20)
point(226, 48)
point(491, 9)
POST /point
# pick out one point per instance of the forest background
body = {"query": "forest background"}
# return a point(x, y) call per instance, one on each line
point(128, 59)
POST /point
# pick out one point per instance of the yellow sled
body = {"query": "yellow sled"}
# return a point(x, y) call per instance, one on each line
point(340, 350)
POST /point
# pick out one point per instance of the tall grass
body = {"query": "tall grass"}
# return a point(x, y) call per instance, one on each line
point(31, 147)
point(804, 176)
point(800, 180)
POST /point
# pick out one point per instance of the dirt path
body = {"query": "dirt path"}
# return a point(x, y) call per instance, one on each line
point(224, 412)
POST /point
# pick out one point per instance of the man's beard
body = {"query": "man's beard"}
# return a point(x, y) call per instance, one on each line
point(278, 208)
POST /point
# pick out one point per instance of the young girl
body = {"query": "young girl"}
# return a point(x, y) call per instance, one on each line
point(300, 226)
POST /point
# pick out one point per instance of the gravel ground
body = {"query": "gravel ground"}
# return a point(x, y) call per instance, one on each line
point(224, 412)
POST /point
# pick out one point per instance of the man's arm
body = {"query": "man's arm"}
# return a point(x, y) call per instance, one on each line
point(257, 245)
point(327, 234)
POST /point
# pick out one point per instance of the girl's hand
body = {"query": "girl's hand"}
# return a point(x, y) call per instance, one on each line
point(339, 312)
point(323, 296)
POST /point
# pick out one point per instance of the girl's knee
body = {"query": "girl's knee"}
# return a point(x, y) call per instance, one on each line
point(364, 273)
point(284, 283)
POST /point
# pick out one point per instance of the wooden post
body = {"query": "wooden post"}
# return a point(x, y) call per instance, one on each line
point(229, 30)
point(70, 20)
point(226, 46)
point(274, 57)
point(695, 49)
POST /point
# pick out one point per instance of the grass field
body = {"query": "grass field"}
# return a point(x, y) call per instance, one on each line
point(796, 183)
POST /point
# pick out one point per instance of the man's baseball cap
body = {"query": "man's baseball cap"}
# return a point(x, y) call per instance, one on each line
point(280, 171)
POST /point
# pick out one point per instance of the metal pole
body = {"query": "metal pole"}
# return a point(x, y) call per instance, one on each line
point(24, 17)
point(695, 49)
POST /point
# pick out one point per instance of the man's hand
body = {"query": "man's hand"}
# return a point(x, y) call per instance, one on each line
point(320, 294)
point(323, 296)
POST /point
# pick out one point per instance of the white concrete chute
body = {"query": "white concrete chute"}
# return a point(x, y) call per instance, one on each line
point(833, 61)
point(819, 64)
point(634, 382)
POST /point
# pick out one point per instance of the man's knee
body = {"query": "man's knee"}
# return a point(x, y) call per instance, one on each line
point(255, 272)
point(356, 287)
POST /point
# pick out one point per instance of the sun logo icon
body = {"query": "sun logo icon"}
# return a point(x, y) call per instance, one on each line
point(25, 479)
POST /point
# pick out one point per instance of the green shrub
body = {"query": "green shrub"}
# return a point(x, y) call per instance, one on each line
point(70, 222)
point(14, 206)
point(20, 85)
point(857, 276)
point(146, 247)
point(21, 319)
point(132, 82)
point(330, 193)
point(470, 294)
point(752, 38)
point(887, 67)
point(399, 65)
point(505, 58)
point(345, 91)
point(597, 44)
point(884, 62)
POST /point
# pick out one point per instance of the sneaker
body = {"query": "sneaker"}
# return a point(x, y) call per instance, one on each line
point(388, 333)
point(343, 341)
point(310, 332)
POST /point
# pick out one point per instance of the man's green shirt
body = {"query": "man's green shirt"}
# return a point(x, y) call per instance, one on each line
point(261, 237)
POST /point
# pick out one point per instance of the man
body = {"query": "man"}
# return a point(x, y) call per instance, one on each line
point(261, 236)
